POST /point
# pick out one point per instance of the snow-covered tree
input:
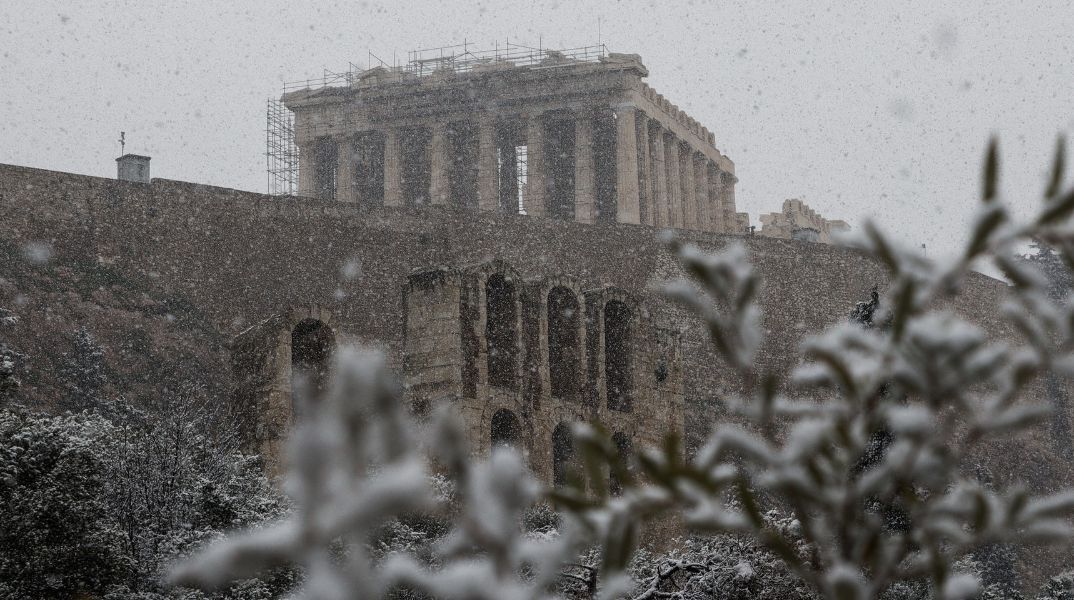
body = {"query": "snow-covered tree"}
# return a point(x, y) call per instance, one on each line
point(58, 539)
point(1059, 587)
point(1060, 284)
point(1052, 265)
point(937, 383)
point(82, 373)
point(10, 360)
point(94, 508)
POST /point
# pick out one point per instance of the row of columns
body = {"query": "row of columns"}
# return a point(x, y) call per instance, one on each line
point(660, 180)
point(679, 186)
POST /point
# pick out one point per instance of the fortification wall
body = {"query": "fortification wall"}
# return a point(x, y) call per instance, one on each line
point(242, 258)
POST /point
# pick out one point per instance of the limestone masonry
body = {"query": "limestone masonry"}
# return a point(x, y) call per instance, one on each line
point(798, 221)
point(523, 323)
point(492, 229)
point(570, 135)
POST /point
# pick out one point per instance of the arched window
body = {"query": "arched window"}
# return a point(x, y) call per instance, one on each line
point(506, 430)
point(311, 349)
point(617, 351)
point(563, 320)
point(624, 447)
point(562, 453)
point(500, 319)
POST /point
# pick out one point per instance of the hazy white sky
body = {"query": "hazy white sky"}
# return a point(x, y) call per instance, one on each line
point(857, 108)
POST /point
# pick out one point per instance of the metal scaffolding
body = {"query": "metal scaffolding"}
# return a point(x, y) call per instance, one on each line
point(281, 154)
point(465, 57)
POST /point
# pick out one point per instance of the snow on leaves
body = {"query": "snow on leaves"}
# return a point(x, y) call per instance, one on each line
point(861, 448)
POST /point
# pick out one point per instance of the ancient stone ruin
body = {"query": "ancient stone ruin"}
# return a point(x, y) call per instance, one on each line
point(571, 135)
point(796, 221)
point(490, 223)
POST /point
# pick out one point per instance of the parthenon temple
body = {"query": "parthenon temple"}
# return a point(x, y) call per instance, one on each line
point(568, 134)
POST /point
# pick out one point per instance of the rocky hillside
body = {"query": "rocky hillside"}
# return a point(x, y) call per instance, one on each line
point(82, 331)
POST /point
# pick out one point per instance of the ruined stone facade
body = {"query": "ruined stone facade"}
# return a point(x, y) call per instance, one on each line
point(796, 221)
point(581, 139)
point(523, 359)
point(279, 274)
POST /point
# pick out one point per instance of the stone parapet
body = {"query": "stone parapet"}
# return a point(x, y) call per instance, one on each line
point(798, 221)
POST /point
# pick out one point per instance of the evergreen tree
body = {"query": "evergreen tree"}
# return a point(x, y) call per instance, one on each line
point(10, 360)
point(91, 508)
point(1051, 265)
point(82, 373)
point(1060, 284)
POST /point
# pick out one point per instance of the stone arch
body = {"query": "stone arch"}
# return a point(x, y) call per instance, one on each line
point(564, 314)
point(505, 430)
point(623, 447)
point(619, 332)
point(562, 453)
point(501, 330)
point(312, 344)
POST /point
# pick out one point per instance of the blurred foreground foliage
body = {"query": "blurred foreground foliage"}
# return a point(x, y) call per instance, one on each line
point(842, 480)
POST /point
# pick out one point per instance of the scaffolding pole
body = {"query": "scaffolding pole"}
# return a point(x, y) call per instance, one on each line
point(281, 154)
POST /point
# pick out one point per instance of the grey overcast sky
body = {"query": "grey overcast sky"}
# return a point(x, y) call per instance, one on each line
point(857, 108)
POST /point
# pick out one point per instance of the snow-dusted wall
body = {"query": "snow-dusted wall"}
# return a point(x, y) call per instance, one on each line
point(241, 258)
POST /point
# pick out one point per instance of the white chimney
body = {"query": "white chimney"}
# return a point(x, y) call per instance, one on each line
point(133, 167)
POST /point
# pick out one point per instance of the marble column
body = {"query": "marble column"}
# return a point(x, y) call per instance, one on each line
point(727, 198)
point(626, 165)
point(660, 178)
point(671, 157)
point(534, 197)
point(393, 169)
point(307, 169)
point(345, 170)
point(585, 189)
point(715, 209)
point(488, 184)
point(645, 172)
point(689, 188)
point(439, 186)
point(704, 207)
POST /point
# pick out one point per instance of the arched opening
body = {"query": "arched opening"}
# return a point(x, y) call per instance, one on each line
point(617, 350)
point(311, 348)
point(562, 453)
point(563, 319)
point(623, 447)
point(500, 334)
point(506, 430)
